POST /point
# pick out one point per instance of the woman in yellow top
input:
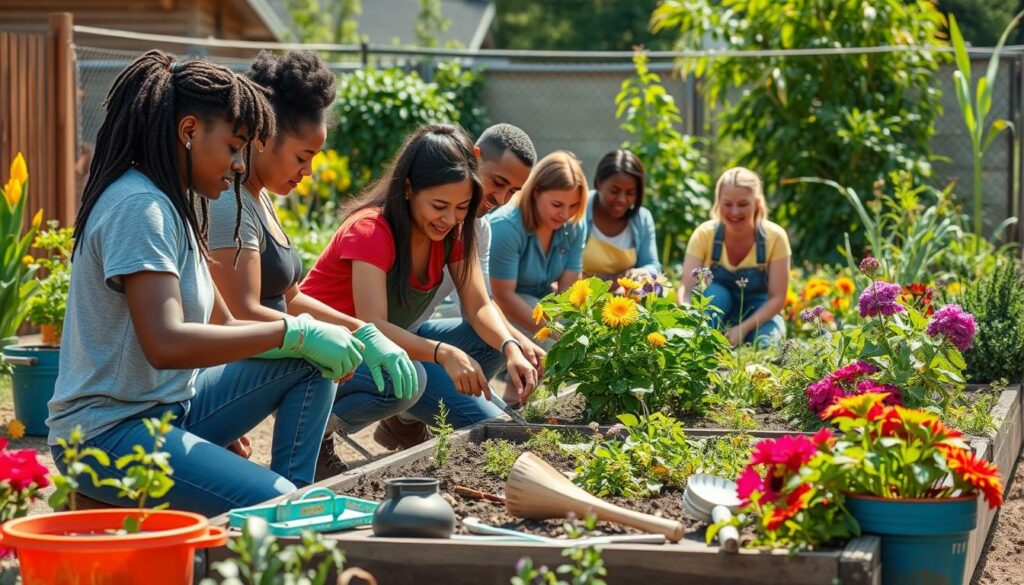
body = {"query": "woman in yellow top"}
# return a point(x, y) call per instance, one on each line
point(748, 259)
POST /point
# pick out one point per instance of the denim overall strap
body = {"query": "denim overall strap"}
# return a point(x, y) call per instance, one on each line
point(757, 277)
point(717, 245)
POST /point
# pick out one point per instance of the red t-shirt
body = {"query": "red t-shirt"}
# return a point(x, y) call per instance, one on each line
point(365, 236)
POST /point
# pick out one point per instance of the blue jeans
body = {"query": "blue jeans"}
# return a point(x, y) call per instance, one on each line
point(728, 302)
point(463, 409)
point(230, 400)
point(360, 404)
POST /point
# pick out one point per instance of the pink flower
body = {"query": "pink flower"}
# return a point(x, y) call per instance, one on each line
point(870, 265)
point(821, 394)
point(747, 483)
point(792, 451)
point(880, 298)
point(954, 324)
point(20, 469)
point(851, 373)
point(895, 395)
point(822, 436)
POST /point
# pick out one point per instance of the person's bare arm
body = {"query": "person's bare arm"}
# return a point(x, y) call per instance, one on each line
point(239, 283)
point(168, 342)
point(512, 305)
point(687, 282)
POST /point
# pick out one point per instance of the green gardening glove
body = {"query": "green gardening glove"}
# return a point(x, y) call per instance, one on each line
point(381, 353)
point(331, 348)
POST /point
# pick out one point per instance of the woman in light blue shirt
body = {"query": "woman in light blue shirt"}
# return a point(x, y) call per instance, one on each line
point(537, 239)
point(620, 230)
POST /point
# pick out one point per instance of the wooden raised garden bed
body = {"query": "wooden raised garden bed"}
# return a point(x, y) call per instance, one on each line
point(453, 562)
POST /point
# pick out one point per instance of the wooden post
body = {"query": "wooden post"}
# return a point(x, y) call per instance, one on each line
point(65, 110)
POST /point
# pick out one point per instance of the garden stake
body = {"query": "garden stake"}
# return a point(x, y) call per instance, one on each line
point(537, 490)
point(467, 492)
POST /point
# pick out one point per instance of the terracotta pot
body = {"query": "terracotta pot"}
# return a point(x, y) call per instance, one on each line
point(49, 334)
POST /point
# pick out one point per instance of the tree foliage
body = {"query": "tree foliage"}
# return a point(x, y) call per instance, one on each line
point(848, 118)
point(605, 25)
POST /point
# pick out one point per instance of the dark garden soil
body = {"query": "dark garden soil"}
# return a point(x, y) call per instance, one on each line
point(464, 467)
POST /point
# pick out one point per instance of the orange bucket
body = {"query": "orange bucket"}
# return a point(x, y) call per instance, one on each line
point(77, 548)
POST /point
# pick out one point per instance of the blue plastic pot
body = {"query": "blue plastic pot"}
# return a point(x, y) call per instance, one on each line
point(35, 375)
point(924, 542)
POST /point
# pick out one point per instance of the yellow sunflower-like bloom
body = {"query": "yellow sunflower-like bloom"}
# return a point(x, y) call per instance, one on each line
point(27, 259)
point(543, 334)
point(19, 170)
point(629, 284)
point(579, 292)
point(538, 313)
point(845, 285)
point(619, 312)
point(954, 289)
point(15, 429)
point(657, 339)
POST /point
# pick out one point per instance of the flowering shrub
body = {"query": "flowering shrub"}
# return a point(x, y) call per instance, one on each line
point(21, 478)
point(790, 496)
point(16, 269)
point(896, 452)
point(612, 344)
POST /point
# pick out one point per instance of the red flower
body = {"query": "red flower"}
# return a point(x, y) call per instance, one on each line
point(791, 451)
point(20, 469)
point(981, 474)
point(822, 436)
point(795, 501)
point(748, 483)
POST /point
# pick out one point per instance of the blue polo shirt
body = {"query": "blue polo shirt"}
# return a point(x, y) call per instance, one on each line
point(516, 253)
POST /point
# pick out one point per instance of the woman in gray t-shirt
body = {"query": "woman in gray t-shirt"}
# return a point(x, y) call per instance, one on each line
point(143, 314)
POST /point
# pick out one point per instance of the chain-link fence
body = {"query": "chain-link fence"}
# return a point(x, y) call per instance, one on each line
point(568, 102)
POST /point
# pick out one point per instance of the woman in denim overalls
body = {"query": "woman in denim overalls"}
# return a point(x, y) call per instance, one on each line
point(747, 258)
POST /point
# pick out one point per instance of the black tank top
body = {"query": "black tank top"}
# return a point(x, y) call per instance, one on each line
point(280, 268)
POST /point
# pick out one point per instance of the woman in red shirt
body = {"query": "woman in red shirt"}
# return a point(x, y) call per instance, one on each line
point(386, 262)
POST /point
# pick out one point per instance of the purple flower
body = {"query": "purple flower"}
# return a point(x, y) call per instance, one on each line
point(870, 266)
point(702, 275)
point(954, 324)
point(808, 315)
point(742, 282)
point(880, 299)
point(822, 394)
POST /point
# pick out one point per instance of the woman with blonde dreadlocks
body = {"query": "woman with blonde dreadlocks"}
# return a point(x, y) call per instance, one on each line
point(143, 314)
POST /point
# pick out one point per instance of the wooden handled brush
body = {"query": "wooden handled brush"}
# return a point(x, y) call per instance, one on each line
point(537, 490)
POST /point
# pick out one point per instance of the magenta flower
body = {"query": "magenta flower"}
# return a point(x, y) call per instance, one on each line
point(870, 266)
point(895, 395)
point(808, 315)
point(791, 451)
point(851, 373)
point(822, 394)
point(954, 324)
point(880, 299)
point(747, 483)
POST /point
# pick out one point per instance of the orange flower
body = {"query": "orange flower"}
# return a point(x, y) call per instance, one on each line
point(538, 313)
point(981, 474)
point(657, 339)
point(619, 312)
point(795, 501)
point(845, 285)
point(579, 292)
point(841, 303)
point(867, 406)
point(542, 334)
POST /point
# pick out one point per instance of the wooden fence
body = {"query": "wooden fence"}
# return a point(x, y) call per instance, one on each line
point(38, 114)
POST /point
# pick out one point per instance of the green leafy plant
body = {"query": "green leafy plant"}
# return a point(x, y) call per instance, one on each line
point(725, 456)
point(443, 431)
point(800, 115)
point(17, 282)
point(997, 303)
point(464, 87)
point(261, 559)
point(975, 417)
point(675, 174)
point(499, 457)
point(549, 442)
point(730, 413)
point(975, 110)
point(48, 305)
point(612, 344)
point(145, 474)
point(587, 567)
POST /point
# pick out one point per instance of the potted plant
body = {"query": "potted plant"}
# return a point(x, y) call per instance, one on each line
point(35, 367)
point(914, 482)
point(16, 269)
point(113, 545)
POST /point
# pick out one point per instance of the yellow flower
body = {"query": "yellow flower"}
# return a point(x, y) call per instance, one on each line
point(628, 283)
point(579, 292)
point(954, 289)
point(538, 313)
point(845, 285)
point(816, 287)
point(15, 428)
point(318, 159)
point(12, 192)
point(37, 219)
point(619, 312)
point(19, 170)
point(302, 188)
point(657, 339)
point(791, 299)
point(27, 259)
point(542, 334)
point(329, 176)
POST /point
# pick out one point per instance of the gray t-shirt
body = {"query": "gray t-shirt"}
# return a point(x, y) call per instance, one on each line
point(104, 376)
point(447, 287)
point(222, 222)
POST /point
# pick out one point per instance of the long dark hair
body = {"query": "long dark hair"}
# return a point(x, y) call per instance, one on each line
point(435, 154)
point(623, 162)
point(140, 130)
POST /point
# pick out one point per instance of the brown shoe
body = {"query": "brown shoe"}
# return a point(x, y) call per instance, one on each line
point(328, 463)
point(393, 433)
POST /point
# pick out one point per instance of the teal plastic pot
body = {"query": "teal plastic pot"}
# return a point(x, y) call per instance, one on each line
point(35, 375)
point(924, 542)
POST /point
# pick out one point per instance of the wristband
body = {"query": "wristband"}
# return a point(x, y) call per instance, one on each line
point(436, 347)
point(505, 343)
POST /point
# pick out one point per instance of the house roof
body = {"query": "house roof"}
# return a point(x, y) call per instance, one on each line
point(383, 21)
